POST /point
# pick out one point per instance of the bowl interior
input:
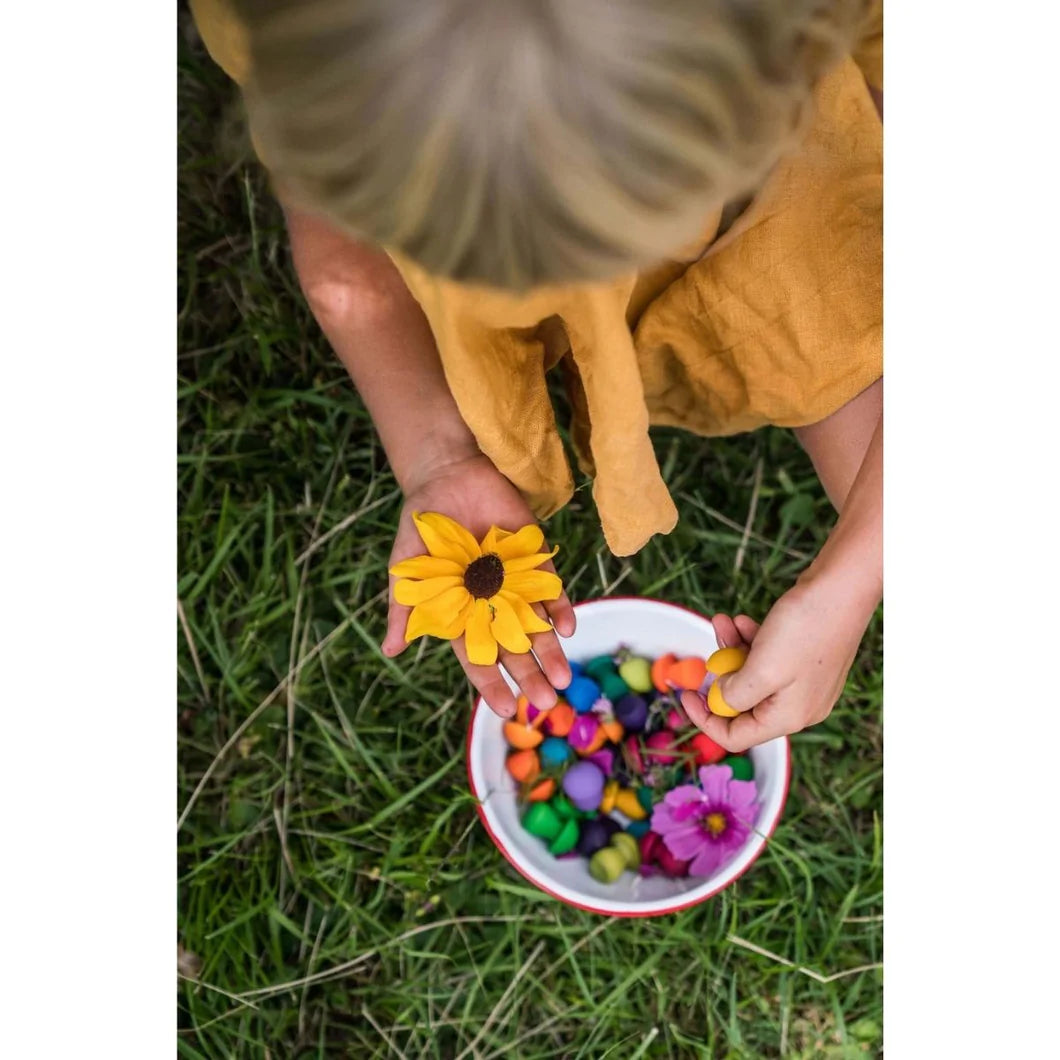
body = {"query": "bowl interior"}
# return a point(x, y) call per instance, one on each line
point(651, 628)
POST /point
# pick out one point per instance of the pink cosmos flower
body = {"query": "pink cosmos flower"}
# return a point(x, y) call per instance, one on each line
point(708, 823)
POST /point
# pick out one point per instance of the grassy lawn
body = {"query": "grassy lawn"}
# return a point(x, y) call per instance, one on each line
point(337, 896)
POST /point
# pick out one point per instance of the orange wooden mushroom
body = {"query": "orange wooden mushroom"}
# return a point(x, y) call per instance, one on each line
point(521, 705)
point(522, 736)
point(660, 670)
point(559, 719)
point(542, 790)
point(524, 765)
point(688, 673)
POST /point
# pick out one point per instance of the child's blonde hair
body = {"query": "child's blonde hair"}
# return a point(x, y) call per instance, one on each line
point(521, 142)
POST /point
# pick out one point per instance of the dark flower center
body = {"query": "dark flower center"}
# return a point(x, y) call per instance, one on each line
point(715, 823)
point(484, 576)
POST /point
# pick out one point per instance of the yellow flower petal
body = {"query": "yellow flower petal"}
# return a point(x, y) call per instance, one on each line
point(445, 616)
point(529, 619)
point(494, 535)
point(427, 567)
point(445, 538)
point(506, 627)
point(533, 585)
point(512, 546)
point(478, 637)
point(521, 563)
point(411, 593)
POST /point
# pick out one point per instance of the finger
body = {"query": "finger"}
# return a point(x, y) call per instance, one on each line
point(526, 673)
point(396, 620)
point(550, 655)
point(559, 612)
point(751, 729)
point(717, 728)
point(561, 615)
point(488, 682)
point(725, 631)
point(757, 680)
point(406, 543)
point(746, 627)
point(744, 689)
point(696, 708)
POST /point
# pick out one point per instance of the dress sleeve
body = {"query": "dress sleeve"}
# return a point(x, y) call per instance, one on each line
point(868, 52)
point(224, 36)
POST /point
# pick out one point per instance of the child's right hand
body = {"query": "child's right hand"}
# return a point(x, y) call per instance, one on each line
point(474, 493)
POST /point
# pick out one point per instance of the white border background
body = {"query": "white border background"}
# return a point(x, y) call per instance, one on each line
point(87, 433)
point(87, 437)
point(971, 792)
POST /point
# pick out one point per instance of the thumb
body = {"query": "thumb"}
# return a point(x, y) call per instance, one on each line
point(745, 688)
point(406, 544)
point(396, 620)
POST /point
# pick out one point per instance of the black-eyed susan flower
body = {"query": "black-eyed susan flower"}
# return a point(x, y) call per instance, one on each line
point(479, 589)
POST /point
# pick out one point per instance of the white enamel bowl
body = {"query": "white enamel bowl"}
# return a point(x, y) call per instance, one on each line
point(651, 628)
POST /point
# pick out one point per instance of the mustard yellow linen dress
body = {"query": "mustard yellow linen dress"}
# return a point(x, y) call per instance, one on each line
point(778, 321)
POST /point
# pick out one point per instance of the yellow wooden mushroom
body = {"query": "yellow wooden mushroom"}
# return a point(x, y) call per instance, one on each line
point(723, 661)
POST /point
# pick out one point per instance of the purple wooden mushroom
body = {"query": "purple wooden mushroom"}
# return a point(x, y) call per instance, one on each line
point(632, 712)
point(596, 834)
point(584, 785)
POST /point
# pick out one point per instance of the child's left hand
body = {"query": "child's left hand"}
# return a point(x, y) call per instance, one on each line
point(797, 665)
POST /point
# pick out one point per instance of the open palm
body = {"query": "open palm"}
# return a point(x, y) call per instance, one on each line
point(475, 494)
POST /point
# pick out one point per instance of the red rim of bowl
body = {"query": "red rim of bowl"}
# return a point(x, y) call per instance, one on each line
point(677, 907)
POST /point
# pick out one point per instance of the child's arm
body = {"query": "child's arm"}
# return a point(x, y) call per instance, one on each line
point(381, 335)
point(800, 655)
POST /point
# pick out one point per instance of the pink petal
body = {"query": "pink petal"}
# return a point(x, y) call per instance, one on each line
point(742, 792)
point(685, 843)
point(744, 816)
point(685, 793)
point(715, 781)
point(708, 859)
point(686, 811)
point(662, 819)
point(735, 835)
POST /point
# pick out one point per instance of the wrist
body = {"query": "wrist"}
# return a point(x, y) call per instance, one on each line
point(848, 568)
point(850, 563)
point(438, 456)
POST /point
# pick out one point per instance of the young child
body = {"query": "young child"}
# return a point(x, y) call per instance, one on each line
point(676, 203)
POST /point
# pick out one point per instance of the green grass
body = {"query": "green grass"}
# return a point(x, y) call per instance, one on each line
point(335, 839)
